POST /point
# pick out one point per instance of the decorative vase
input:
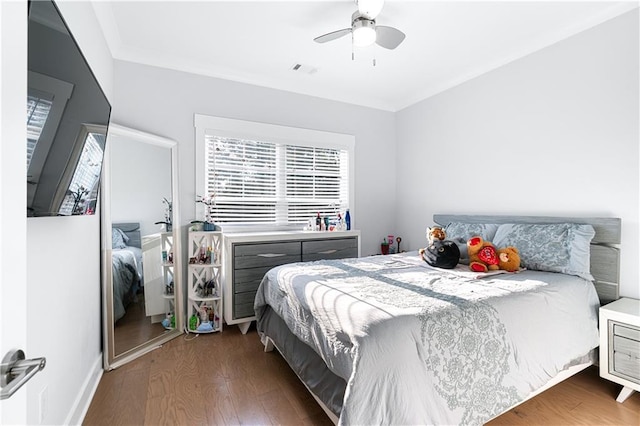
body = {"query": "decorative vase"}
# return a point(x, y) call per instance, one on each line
point(208, 226)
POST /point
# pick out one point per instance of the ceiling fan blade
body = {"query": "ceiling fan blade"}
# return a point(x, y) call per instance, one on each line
point(370, 8)
point(388, 37)
point(332, 35)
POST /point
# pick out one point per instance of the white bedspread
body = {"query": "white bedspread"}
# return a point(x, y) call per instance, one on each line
point(419, 345)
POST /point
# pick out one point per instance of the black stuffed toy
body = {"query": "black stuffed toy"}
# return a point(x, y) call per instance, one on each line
point(441, 254)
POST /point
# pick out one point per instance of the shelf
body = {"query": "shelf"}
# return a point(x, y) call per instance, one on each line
point(205, 299)
point(205, 278)
point(196, 331)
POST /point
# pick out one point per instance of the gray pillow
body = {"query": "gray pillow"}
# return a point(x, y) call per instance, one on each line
point(557, 247)
point(460, 231)
point(118, 238)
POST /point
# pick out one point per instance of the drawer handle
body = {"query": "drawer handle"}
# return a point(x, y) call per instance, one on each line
point(269, 255)
point(328, 251)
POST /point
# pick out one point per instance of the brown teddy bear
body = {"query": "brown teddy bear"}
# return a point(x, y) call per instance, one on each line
point(483, 256)
point(509, 259)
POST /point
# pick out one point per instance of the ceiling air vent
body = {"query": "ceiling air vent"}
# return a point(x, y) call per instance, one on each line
point(304, 69)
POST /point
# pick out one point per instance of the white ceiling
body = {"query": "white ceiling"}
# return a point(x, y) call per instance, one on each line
point(447, 42)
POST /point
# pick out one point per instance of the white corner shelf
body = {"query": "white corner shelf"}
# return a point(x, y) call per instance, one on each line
point(204, 281)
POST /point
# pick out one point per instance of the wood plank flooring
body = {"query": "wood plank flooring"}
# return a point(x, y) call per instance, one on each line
point(227, 379)
point(134, 328)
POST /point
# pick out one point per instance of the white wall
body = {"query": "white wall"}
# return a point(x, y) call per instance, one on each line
point(554, 133)
point(164, 102)
point(140, 181)
point(63, 274)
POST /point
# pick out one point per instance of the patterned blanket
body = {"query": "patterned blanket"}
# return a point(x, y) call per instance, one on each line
point(421, 345)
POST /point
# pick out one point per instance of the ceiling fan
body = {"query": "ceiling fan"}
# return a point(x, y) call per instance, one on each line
point(364, 30)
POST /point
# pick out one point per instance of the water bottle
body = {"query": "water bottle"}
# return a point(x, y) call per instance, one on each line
point(347, 220)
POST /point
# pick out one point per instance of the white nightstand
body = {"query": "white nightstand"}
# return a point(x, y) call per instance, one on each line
point(620, 344)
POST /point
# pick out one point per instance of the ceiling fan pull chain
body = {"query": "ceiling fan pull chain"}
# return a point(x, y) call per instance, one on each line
point(353, 53)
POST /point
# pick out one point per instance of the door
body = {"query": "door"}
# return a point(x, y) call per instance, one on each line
point(13, 213)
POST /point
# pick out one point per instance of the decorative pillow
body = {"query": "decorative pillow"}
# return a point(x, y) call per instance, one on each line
point(463, 231)
point(557, 247)
point(118, 238)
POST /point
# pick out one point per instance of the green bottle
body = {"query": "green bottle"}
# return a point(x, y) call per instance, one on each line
point(193, 322)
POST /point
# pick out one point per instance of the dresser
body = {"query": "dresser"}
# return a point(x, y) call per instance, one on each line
point(620, 344)
point(248, 256)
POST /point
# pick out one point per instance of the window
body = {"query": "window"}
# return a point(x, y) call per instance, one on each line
point(262, 174)
point(38, 109)
point(46, 101)
point(82, 193)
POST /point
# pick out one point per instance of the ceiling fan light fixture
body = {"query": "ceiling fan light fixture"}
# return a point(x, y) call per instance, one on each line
point(364, 34)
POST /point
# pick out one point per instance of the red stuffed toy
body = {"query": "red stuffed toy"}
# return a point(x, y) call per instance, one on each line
point(483, 256)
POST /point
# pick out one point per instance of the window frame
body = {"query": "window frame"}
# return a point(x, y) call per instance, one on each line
point(241, 129)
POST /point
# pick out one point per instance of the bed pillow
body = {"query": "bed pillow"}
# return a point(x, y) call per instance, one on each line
point(463, 231)
point(557, 247)
point(118, 238)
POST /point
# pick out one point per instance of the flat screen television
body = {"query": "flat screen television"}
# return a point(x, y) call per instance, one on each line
point(67, 119)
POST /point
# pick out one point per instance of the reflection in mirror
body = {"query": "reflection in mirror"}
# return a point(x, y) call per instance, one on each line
point(141, 261)
point(67, 117)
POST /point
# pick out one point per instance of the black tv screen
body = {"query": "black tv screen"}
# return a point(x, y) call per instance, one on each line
point(67, 119)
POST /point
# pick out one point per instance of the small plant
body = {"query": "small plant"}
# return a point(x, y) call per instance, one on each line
point(168, 214)
point(209, 202)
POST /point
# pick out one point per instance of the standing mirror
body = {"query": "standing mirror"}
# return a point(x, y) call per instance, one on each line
point(142, 300)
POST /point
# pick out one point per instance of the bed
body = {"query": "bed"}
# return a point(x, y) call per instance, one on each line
point(127, 269)
point(391, 340)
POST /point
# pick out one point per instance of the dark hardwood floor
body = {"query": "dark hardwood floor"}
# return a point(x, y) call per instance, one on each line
point(227, 379)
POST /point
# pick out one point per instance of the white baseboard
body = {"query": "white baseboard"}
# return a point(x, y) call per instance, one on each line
point(83, 400)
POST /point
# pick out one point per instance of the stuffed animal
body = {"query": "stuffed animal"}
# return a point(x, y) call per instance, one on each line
point(441, 254)
point(509, 259)
point(435, 233)
point(483, 256)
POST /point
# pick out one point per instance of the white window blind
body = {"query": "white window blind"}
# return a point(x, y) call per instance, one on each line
point(37, 112)
point(263, 182)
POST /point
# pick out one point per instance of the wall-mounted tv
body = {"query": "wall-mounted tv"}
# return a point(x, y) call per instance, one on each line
point(67, 119)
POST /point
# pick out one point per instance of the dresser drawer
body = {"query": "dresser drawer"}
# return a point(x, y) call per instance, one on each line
point(243, 304)
point(265, 254)
point(626, 331)
point(243, 310)
point(248, 279)
point(332, 248)
point(624, 351)
point(626, 346)
point(626, 366)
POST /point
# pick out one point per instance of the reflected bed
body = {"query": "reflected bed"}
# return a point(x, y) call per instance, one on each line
point(126, 266)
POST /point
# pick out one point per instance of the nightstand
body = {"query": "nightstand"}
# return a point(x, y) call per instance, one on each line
point(620, 344)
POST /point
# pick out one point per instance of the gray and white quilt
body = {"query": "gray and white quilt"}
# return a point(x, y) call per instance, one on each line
point(126, 265)
point(419, 345)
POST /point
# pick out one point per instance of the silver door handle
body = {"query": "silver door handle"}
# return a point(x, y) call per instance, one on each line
point(15, 371)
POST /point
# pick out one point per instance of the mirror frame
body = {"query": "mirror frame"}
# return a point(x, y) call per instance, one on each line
point(110, 359)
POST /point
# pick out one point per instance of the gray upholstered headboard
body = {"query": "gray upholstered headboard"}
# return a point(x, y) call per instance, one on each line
point(605, 257)
point(132, 229)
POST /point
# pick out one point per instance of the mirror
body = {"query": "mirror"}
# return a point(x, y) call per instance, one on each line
point(142, 300)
